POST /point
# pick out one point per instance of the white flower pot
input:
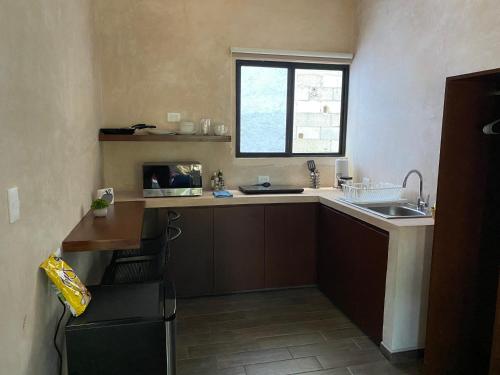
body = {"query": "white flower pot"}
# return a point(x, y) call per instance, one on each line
point(101, 212)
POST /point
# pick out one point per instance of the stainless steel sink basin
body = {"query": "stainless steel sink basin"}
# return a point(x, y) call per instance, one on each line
point(396, 211)
point(393, 210)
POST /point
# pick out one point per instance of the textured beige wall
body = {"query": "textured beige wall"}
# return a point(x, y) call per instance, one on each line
point(405, 51)
point(160, 56)
point(48, 122)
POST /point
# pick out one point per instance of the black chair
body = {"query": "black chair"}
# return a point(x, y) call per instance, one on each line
point(145, 264)
point(150, 246)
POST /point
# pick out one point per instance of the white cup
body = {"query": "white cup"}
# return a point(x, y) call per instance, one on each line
point(205, 126)
point(187, 127)
point(220, 129)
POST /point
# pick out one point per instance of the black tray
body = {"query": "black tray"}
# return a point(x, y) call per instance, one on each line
point(124, 131)
point(273, 189)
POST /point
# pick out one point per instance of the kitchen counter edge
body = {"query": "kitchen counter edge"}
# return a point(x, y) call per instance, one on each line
point(326, 196)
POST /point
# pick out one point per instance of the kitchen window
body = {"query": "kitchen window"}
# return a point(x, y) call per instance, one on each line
point(288, 109)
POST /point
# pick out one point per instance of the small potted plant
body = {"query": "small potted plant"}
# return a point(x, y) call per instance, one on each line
point(100, 207)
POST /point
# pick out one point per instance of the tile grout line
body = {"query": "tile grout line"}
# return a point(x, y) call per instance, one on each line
point(323, 336)
point(284, 360)
point(289, 352)
point(317, 359)
point(355, 343)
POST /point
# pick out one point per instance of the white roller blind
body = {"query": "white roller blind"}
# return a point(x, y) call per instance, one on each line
point(257, 53)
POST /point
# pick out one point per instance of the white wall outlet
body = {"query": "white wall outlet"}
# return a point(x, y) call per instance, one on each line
point(14, 204)
point(262, 179)
point(173, 117)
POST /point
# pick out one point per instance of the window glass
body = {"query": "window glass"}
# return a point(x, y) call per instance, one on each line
point(263, 109)
point(317, 111)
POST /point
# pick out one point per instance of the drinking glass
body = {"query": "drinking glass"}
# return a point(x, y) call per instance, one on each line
point(205, 126)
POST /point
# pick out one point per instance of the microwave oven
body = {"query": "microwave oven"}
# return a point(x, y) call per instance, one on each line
point(171, 179)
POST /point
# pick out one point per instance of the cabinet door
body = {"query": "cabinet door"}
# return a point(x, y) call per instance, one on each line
point(339, 260)
point(291, 244)
point(372, 245)
point(326, 244)
point(352, 268)
point(239, 248)
point(191, 262)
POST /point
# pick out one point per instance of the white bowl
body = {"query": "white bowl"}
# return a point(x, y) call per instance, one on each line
point(220, 129)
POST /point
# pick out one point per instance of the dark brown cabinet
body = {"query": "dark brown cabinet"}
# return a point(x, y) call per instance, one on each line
point(337, 260)
point(352, 267)
point(239, 248)
point(465, 254)
point(291, 239)
point(247, 247)
point(191, 263)
point(250, 247)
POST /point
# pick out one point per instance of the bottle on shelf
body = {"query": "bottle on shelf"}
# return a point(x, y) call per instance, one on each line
point(213, 181)
point(221, 183)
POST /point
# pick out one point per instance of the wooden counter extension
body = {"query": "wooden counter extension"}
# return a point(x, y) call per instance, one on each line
point(120, 230)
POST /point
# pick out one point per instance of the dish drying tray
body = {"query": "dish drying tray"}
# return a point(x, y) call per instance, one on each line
point(371, 193)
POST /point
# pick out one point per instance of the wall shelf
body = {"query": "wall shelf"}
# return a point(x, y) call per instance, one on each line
point(163, 138)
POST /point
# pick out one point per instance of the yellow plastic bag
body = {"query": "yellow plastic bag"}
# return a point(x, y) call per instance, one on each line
point(70, 289)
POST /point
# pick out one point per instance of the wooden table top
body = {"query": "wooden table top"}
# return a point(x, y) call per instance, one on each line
point(121, 229)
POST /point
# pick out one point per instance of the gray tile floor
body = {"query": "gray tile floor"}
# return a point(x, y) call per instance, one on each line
point(295, 331)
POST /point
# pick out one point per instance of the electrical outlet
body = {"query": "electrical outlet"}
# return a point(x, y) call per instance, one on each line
point(262, 179)
point(14, 204)
point(173, 117)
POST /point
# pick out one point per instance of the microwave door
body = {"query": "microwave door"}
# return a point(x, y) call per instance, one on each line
point(171, 180)
point(154, 177)
point(178, 180)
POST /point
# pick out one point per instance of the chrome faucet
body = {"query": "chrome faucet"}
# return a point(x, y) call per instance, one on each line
point(422, 204)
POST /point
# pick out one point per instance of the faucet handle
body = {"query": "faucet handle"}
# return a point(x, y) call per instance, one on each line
point(422, 204)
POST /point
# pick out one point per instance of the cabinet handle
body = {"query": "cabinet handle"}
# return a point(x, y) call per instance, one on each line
point(173, 216)
point(177, 233)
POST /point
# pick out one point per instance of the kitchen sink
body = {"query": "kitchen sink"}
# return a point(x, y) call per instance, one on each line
point(392, 210)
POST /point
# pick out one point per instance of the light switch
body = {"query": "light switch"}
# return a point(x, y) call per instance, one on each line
point(14, 204)
point(173, 117)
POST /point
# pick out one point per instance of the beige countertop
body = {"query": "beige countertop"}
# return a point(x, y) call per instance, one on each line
point(327, 196)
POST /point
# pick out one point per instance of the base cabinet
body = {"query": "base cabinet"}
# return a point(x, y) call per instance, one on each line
point(247, 247)
point(352, 267)
point(191, 263)
point(239, 248)
point(250, 247)
point(291, 240)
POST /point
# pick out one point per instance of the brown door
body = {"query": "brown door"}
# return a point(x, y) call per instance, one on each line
point(465, 255)
point(239, 248)
point(353, 267)
point(291, 244)
point(371, 248)
point(191, 262)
